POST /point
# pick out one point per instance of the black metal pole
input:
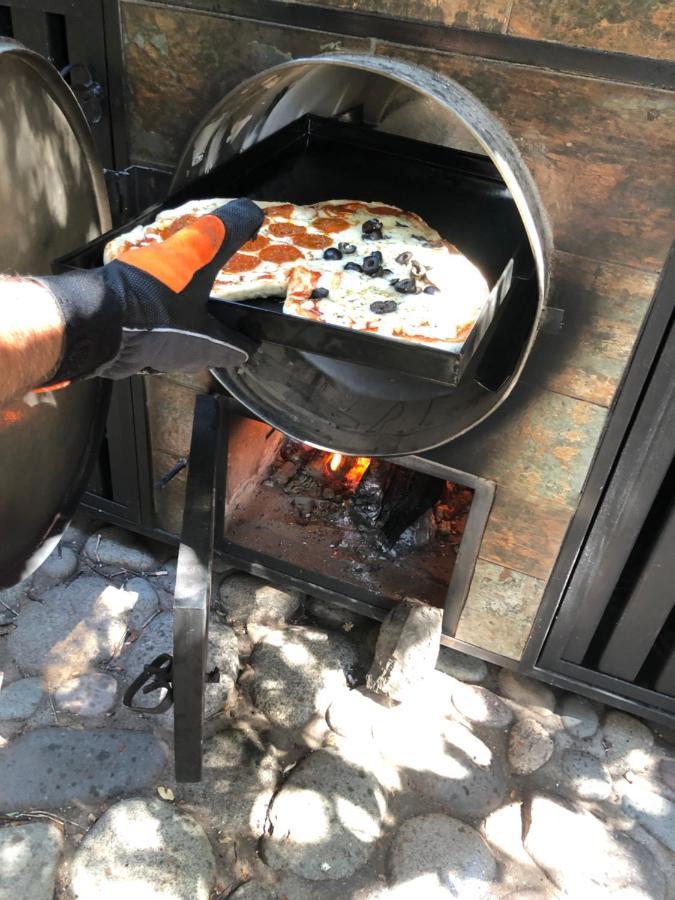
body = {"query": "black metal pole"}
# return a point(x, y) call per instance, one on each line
point(193, 589)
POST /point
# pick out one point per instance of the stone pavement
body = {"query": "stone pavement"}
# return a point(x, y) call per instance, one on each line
point(480, 784)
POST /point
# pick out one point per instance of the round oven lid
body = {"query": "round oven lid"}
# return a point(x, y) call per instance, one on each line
point(355, 409)
point(53, 199)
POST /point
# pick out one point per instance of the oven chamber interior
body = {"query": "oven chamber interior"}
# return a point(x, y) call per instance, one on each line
point(353, 408)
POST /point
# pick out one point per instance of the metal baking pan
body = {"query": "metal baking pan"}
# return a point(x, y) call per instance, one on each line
point(264, 320)
point(458, 193)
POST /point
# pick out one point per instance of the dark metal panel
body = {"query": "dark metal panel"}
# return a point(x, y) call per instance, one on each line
point(637, 479)
point(625, 403)
point(31, 27)
point(122, 448)
point(433, 36)
point(665, 683)
point(112, 33)
point(648, 608)
point(192, 594)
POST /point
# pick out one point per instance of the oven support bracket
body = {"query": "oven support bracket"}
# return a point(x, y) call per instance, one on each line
point(192, 595)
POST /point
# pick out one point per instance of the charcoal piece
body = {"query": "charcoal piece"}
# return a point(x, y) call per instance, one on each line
point(367, 499)
point(420, 534)
point(408, 495)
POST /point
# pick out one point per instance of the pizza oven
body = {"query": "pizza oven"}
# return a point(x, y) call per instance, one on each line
point(359, 127)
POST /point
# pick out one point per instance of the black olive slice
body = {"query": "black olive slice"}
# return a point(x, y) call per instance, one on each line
point(372, 264)
point(371, 225)
point(319, 293)
point(353, 267)
point(346, 248)
point(386, 272)
point(406, 286)
point(431, 289)
point(404, 258)
point(379, 307)
point(332, 253)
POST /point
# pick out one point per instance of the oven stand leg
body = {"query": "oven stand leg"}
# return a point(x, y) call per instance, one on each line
point(192, 595)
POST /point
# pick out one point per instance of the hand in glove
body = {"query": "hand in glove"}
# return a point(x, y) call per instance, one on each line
point(148, 308)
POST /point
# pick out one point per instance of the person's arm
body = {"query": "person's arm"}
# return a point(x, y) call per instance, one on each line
point(145, 310)
point(31, 335)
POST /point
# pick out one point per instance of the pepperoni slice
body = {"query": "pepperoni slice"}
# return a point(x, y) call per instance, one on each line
point(283, 209)
point(386, 211)
point(280, 253)
point(241, 262)
point(313, 241)
point(337, 209)
point(257, 244)
point(286, 229)
point(330, 226)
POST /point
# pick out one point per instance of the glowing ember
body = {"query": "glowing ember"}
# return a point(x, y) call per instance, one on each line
point(335, 462)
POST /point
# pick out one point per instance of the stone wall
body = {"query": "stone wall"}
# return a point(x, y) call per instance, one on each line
point(602, 155)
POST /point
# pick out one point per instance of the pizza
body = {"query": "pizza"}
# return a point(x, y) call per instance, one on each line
point(363, 265)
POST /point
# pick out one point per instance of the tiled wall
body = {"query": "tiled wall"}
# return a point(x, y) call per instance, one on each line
point(603, 158)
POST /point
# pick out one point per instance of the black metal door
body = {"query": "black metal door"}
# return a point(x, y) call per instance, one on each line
point(614, 629)
point(81, 38)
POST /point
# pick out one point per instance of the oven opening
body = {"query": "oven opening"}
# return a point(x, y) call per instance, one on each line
point(373, 530)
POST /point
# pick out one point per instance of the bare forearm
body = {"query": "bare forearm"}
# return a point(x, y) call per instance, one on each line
point(31, 336)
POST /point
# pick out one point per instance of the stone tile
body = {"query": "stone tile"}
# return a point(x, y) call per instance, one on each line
point(603, 305)
point(20, 699)
point(143, 848)
point(585, 140)
point(529, 746)
point(499, 609)
point(299, 672)
point(436, 856)
point(238, 780)
point(244, 599)
point(643, 29)
point(588, 778)
point(112, 546)
point(73, 628)
point(481, 706)
point(49, 768)
point(146, 603)
point(176, 69)
point(584, 857)
point(461, 666)
point(325, 820)
point(29, 855)
point(91, 694)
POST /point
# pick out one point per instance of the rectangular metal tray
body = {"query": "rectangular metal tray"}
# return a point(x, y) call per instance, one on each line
point(459, 193)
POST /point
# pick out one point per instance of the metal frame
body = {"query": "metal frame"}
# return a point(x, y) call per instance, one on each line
point(639, 423)
point(352, 597)
point(192, 595)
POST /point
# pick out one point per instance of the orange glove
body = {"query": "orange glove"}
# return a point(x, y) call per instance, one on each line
point(148, 308)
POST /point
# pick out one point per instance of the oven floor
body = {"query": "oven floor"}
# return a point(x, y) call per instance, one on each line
point(268, 523)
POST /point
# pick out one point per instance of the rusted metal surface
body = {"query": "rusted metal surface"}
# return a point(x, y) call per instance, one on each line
point(603, 305)
point(179, 64)
point(642, 27)
point(602, 154)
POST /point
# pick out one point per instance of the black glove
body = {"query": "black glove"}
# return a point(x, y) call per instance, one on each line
point(148, 308)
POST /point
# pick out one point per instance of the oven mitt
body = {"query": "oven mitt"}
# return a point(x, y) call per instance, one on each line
point(147, 309)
